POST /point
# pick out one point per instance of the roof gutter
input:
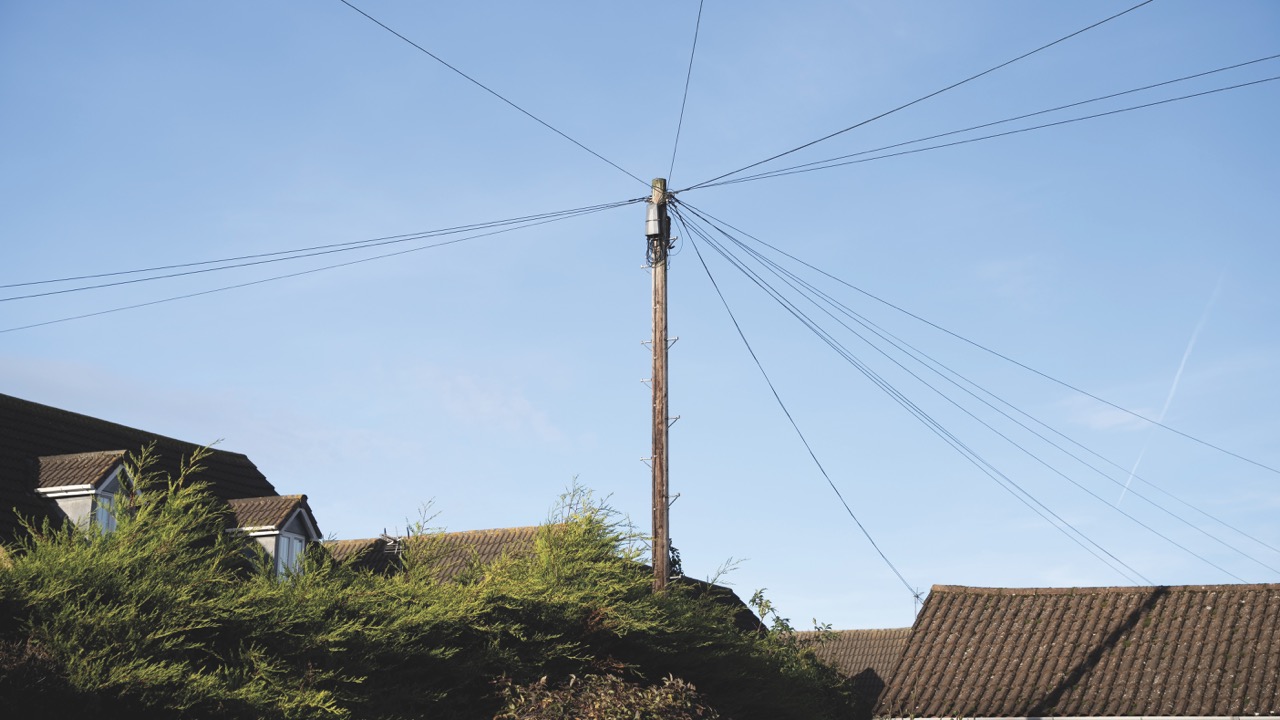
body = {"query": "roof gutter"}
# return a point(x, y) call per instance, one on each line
point(65, 491)
point(254, 531)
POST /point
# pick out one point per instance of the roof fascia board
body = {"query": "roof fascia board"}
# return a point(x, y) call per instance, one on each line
point(264, 530)
point(66, 491)
point(114, 475)
point(312, 533)
point(254, 531)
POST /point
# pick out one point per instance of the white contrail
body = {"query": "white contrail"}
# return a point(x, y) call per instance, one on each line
point(1177, 378)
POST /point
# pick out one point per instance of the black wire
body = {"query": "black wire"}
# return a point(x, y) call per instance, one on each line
point(370, 242)
point(688, 76)
point(915, 354)
point(340, 247)
point(805, 293)
point(1002, 356)
point(781, 173)
point(773, 173)
point(1000, 478)
point(493, 92)
point(791, 419)
point(920, 99)
point(985, 466)
point(296, 274)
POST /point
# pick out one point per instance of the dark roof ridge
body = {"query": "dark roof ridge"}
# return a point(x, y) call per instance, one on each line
point(85, 454)
point(1107, 589)
point(862, 632)
point(487, 530)
point(352, 541)
point(294, 498)
point(115, 425)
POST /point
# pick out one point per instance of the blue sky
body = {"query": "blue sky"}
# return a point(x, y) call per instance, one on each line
point(486, 375)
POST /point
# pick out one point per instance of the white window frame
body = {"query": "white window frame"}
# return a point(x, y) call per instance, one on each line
point(103, 516)
point(289, 552)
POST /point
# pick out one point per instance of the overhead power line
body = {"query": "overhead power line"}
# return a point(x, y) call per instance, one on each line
point(808, 292)
point(495, 93)
point(793, 169)
point(355, 244)
point(1006, 358)
point(995, 474)
point(921, 99)
point(828, 164)
point(812, 294)
point(312, 270)
point(287, 255)
point(685, 100)
point(791, 419)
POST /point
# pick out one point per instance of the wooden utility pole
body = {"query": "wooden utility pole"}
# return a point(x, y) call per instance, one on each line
point(658, 233)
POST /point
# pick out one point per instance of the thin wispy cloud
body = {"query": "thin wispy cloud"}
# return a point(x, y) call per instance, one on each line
point(1015, 278)
point(1091, 415)
point(474, 401)
point(1177, 380)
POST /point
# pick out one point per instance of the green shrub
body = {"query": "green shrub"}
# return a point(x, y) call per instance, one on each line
point(603, 697)
point(169, 615)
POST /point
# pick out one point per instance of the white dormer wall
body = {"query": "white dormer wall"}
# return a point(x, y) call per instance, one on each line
point(77, 508)
point(287, 544)
point(85, 505)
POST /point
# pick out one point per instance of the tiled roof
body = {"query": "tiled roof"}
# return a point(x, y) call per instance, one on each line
point(270, 512)
point(344, 550)
point(455, 552)
point(30, 430)
point(744, 618)
point(55, 471)
point(375, 554)
point(452, 553)
point(867, 657)
point(1151, 651)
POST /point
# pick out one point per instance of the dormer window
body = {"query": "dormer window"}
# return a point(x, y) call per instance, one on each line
point(289, 549)
point(283, 525)
point(83, 486)
point(103, 517)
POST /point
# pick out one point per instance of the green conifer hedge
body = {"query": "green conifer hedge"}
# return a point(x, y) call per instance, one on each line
point(171, 616)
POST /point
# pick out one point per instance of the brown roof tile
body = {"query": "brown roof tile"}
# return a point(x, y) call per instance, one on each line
point(455, 552)
point(374, 554)
point(867, 657)
point(452, 552)
point(271, 512)
point(344, 550)
point(852, 651)
point(89, 468)
point(1151, 651)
